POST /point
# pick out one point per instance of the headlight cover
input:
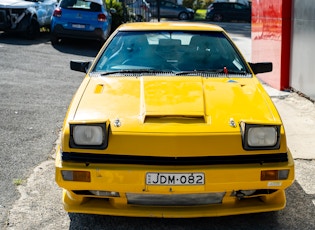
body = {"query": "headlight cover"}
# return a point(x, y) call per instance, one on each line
point(264, 137)
point(88, 136)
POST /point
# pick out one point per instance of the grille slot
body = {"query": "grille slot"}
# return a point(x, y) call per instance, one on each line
point(149, 160)
point(175, 200)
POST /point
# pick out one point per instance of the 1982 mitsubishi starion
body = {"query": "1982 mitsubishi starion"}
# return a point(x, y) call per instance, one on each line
point(171, 121)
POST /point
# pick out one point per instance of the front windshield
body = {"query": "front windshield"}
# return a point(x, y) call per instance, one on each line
point(170, 51)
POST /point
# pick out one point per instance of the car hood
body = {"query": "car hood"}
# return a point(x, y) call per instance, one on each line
point(210, 102)
point(12, 4)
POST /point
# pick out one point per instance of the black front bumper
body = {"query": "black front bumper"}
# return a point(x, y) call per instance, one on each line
point(61, 32)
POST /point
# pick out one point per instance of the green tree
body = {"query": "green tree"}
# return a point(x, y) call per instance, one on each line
point(188, 3)
point(197, 4)
point(207, 3)
point(117, 17)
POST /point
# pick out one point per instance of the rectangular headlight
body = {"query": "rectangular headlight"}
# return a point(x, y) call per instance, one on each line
point(260, 136)
point(88, 136)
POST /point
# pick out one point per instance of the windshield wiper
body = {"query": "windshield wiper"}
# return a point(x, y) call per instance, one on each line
point(212, 71)
point(136, 71)
point(227, 72)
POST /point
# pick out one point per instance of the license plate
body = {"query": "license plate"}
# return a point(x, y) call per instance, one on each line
point(78, 26)
point(175, 178)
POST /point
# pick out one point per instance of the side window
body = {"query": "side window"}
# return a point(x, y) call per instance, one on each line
point(77, 4)
point(240, 6)
point(225, 6)
point(218, 5)
point(169, 4)
point(229, 6)
point(95, 7)
point(68, 3)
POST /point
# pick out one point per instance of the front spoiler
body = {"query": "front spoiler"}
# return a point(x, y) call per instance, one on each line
point(230, 206)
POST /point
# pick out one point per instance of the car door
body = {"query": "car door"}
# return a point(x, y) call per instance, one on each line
point(168, 9)
point(242, 12)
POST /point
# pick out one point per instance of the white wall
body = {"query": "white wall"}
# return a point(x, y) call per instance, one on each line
point(302, 71)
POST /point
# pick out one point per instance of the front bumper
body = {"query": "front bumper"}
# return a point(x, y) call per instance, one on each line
point(230, 206)
point(217, 197)
point(97, 34)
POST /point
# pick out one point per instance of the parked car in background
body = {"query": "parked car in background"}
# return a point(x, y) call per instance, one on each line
point(84, 19)
point(228, 11)
point(26, 16)
point(139, 10)
point(171, 121)
point(171, 10)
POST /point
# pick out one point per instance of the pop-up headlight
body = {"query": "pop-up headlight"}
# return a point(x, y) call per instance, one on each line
point(260, 136)
point(88, 136)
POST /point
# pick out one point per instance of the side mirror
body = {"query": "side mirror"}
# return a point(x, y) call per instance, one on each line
point(262, 67)
point(80, 66)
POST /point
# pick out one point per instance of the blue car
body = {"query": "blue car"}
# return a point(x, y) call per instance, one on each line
point(83, 19)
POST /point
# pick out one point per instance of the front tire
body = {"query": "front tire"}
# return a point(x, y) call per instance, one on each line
point(54, 39)
point(32, 30)
point(183, 16)
point(217, 18)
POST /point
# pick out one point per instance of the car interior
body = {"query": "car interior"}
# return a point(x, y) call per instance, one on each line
point(193, 52)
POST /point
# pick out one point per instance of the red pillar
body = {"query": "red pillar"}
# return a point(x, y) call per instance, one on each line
point(271, 39)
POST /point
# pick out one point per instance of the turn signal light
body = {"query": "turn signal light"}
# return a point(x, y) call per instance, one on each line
point(274, 174)
point(82, 176)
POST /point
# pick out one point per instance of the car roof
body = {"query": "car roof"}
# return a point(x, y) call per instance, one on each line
point(180, 26)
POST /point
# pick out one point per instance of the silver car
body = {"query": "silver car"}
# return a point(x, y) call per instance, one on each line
point(171, 10)
point(26, 16)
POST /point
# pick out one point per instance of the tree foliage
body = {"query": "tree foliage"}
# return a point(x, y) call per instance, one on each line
point(197, 4)
point(118, 16)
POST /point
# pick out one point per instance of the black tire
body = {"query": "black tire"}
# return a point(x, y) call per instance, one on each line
point(183, 16)
point(32, 30)
point(101, 42)
point(54, 39)
point(217, 18)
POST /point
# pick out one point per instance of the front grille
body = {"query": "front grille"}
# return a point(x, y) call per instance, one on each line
point(149, 160)
point(175, 199)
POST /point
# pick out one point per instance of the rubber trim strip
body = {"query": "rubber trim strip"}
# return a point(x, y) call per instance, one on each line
point(153, 160)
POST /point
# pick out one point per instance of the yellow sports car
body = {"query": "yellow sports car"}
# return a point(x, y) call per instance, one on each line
point(171, 121)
